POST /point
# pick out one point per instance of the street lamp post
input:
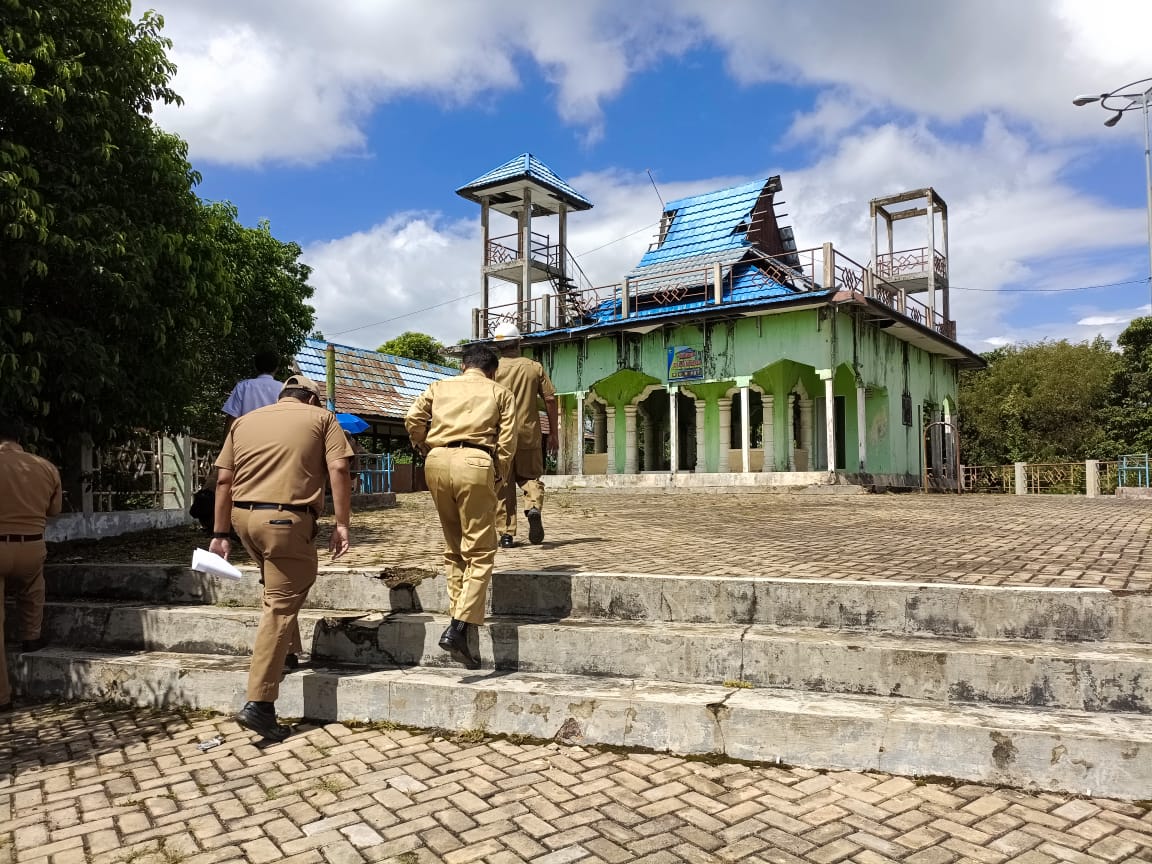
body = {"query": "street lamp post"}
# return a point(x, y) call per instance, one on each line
point(1138, 94)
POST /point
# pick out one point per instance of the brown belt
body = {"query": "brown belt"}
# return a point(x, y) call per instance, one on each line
point(20, 538)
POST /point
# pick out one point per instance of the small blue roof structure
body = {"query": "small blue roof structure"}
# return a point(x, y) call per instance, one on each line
point(501, 186)
point(375, 386)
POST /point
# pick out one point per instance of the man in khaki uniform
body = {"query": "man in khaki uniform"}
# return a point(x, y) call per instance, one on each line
point(271, 489)
point(466, 427)
point(29, 493)
point(529, 383)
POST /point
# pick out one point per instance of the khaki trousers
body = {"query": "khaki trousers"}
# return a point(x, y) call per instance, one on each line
point(283, 544)
point(462, 483)
point(527, 469)
point(22, 567)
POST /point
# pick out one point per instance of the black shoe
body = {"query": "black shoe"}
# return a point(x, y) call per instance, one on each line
point(6, 707)
point(28, 646)
point(506, 541)
point(535, 526)
point(291, 662)
point(256, 718)
point(455, 642)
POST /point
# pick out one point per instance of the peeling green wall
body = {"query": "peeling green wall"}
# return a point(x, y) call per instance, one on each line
point(777, 351)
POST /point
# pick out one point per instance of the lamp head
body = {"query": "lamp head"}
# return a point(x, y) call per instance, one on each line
point(1114, 119)
point(1081, 101)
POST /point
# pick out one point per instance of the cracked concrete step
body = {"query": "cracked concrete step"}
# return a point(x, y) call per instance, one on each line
point(1079, 753)
point(1065, 675)
point(895, 608)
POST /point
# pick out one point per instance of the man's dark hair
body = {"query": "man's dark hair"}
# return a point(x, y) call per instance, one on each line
point(10, 430)
point(299, 393)
point(266, 362)
point(481, 357)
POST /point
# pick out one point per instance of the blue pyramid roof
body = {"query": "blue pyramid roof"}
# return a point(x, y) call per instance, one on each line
point(527, 167)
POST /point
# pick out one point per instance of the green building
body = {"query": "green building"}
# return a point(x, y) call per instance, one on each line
point(727, 351)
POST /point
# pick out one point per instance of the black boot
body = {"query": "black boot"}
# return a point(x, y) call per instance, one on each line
point(535, 526)
point(455, 642)
point(260, 717)
point(29, 646)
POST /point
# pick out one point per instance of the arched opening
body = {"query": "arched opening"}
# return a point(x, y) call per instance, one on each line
point(653, 431)
point(595, 437)
point(686, 409)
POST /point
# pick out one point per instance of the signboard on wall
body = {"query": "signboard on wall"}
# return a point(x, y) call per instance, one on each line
point(685, 363)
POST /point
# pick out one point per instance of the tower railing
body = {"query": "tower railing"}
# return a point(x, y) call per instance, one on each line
point(809, 270)
point(506, 249)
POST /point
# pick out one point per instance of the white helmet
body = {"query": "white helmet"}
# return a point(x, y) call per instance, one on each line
point(507, 332)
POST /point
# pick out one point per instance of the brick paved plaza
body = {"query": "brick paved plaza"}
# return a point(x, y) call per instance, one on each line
point(975, 539)
point(92, 785)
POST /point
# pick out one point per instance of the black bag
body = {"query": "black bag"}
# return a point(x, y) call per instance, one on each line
point(203, 508)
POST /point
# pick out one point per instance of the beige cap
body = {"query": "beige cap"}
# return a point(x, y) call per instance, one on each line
point(303, 382)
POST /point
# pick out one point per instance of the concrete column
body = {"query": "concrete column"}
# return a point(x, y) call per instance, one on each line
point(701, 451)
point(175, 458)
point(526, 276)
point(807, 442)
point(600, 431)
point(745, 429)
point(830, 421)
point(578, 460)
point(862, 426)
point(1021, 478)
point(648, 424)
point(1092, 478)
point(610, 437)
point(563, 452)
point(768, 436)
point(725, 435)
point(673, 430)
point(631, 451)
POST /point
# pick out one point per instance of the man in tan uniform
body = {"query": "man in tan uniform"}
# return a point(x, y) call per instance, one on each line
point(466, 427)
point(529, 383)
point(271, 489)
point(29, 493)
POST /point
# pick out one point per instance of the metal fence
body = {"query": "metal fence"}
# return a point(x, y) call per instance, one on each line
point(130, 476)
point(373, 473)
point(1061, 478)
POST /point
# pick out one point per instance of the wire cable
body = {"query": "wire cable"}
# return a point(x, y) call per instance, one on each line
point(1051, 290)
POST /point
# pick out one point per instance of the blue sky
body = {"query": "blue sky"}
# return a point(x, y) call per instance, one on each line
point(349, 126)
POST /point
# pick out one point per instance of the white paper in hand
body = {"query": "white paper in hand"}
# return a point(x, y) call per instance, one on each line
point(210, 562)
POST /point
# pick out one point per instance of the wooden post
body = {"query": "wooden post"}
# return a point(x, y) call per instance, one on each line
point(944, 229)
point(624, 298)
point(829, 267)
point(480, 325)
point(931, 208)
point(330, 369)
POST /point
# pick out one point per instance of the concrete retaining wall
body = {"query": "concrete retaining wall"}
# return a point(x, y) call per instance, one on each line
point(93, 526)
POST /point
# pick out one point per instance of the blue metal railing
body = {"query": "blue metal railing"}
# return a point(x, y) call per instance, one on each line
point(1133, 470)
point(375, 473)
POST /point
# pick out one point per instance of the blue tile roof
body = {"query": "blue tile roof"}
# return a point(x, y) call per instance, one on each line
point(368, 383)
point(529, 167)
point(706, 225)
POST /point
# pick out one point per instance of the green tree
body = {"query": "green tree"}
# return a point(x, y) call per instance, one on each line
point(416, 346)
point(126, 302)
point(269, 289)
point(1129, 418)
point(106, 256)
point(1044, 402)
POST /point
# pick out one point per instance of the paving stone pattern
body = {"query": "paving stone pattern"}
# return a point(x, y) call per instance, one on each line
point(973, 539)
point(93, 785)
point(1038, 540)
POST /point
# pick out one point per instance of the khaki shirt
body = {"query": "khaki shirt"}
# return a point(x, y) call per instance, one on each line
point(470, 408)
point(280, 454)
point(29, 490)
point(528, 382)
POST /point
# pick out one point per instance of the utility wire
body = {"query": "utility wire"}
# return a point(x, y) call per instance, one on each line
point(406, 314)
point(1051, 290)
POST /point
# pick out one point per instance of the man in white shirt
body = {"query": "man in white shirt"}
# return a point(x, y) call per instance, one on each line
point(253, 393)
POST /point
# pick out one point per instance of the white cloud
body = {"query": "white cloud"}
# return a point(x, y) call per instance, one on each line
point(291, 80)
point(1013, 221)
point(1104, 321)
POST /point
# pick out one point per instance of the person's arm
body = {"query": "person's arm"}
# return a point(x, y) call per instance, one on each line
point(417, 420)
point(56, 503)
point(340, 480)
point(506, 437)
point(222, 524)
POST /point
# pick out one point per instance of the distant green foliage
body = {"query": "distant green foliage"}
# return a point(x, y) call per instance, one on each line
point(416, 346)
point(1129, 418)
point(1044, 402)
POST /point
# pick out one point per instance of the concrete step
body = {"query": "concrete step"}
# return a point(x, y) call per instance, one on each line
point(1114, 678)
point(1073, 752)
point(889, 608)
